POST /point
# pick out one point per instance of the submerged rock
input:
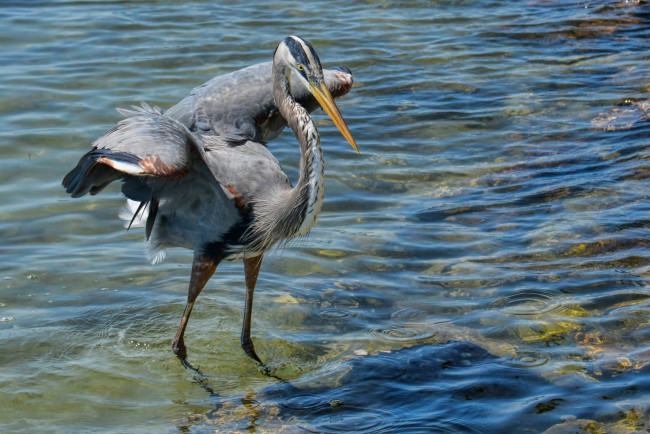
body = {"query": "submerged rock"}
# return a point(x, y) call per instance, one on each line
point(452, 387)
point(623, 117)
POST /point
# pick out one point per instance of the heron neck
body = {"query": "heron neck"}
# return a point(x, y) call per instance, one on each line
point(308, 192)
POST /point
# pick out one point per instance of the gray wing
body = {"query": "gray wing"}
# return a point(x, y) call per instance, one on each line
point(165, 160)
point(147, 150)
point(144, 144)
point(241, 104)
point(164, 167)
point(237, 108)
point(246, 170)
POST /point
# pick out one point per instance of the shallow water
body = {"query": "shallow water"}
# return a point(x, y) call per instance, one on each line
point(482, 264)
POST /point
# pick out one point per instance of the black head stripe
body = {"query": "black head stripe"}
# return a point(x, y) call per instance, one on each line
point(296, 50)
point(303, 52)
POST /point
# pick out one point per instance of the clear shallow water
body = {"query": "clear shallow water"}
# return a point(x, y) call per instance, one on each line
point(488, 250)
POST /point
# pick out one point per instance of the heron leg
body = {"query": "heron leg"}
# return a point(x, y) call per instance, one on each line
point(252, 270)
point(202, 269)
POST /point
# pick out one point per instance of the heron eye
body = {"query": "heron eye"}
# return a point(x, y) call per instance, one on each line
point(301, 67)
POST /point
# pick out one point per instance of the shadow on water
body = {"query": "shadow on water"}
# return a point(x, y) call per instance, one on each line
point(452, 387)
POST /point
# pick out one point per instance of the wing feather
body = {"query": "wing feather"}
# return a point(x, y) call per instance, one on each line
point(144, 144)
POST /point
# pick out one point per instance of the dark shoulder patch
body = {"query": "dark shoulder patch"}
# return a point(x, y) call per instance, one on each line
point(224, 247)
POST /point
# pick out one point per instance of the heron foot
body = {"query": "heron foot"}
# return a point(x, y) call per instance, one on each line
point(249, 349)
point(180, 350)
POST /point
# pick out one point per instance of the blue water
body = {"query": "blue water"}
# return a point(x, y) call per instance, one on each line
point(481, 266)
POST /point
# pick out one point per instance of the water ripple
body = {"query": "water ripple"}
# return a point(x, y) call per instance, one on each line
point(528, 302)
point(502, 187)
point(408, 314)
point(405, 333)
point(352, 418)
point(528, 359)
point(334, 314)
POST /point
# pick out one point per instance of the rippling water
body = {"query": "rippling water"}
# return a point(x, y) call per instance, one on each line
point(482, 265)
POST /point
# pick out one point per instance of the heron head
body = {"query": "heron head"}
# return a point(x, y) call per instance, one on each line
point(300, 58)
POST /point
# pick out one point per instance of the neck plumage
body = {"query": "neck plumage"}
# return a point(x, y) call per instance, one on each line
point(307, 195)
point(285, 214)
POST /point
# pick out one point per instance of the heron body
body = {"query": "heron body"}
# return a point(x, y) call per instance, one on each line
point(200, 176)
point(242, 102)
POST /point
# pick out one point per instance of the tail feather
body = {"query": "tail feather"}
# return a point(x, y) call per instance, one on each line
point(145, 150)
point(140, 214)
point(134, 214)
point(92, 175)
point(136, 189)
point(151, 218)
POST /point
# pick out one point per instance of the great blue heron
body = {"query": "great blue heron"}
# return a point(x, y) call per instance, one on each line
point(203, 177)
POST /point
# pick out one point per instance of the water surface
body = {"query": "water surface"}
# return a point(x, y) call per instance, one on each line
point(482, 265)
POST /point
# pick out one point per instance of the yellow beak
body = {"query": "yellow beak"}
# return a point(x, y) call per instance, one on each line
point(325, 99)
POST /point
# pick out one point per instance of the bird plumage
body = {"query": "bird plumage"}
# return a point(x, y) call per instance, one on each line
point(202, 176)
point(148, 147)
point(241, 103)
